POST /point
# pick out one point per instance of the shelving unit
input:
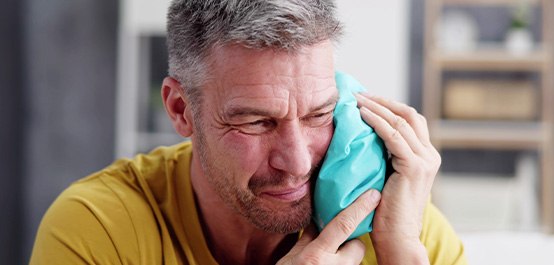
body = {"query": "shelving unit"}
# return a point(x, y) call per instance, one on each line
point(494, 134)
point(494, 59)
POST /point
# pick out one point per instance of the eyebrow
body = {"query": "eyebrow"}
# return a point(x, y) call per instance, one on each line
point(331, 101)
point(237, 111)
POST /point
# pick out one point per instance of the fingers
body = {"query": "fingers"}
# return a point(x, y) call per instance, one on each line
point(394, 141)
point(395, 123)
point(416, 120)
point(344, 224)
point(352, 252)
point(399, 119)
point(405, 134)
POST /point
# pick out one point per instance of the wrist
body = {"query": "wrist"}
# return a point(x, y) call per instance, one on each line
point(394, 250)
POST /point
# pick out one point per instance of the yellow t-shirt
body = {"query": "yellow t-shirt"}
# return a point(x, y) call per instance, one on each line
point(142, 211)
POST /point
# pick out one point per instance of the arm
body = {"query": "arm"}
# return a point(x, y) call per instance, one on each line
point(397, 223)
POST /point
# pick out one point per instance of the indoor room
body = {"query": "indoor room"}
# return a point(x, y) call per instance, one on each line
point(81, 82)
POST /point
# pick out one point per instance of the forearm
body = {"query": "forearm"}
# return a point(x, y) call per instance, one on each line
point(400, 252)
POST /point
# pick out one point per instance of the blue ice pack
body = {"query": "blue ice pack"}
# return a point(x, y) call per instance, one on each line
point(355, 161)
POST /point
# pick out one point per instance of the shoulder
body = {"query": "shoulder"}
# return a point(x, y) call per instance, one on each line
point(113, 216)
point(101, 219)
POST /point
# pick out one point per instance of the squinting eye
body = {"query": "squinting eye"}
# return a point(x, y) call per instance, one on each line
point(260, 123)
point(256, 127)
point(319, 119)
point(320, 115)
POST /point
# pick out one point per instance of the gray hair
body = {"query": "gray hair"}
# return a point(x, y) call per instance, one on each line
point(195, 27)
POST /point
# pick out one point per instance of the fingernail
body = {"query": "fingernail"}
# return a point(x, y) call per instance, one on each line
point(374, 195)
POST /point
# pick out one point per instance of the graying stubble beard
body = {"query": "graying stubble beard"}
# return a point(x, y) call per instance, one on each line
point(247, 204)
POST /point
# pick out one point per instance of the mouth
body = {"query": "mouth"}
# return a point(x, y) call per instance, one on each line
point(288, 194)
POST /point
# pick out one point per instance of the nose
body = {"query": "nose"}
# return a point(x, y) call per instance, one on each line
point(291, 152)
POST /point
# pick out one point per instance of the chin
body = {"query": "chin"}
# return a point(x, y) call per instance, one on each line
point(283, 219)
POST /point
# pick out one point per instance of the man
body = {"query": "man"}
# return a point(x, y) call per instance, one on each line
point(252, 84)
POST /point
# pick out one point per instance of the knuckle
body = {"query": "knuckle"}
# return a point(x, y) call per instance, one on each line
point(438, 158)
point(401, 122)
point(346, 224)
point(430, 169)
point(434, 158)
point(410, 112)
point(394, 138)
point(423, 119)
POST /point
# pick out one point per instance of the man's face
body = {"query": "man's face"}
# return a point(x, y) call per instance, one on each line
point(264, 127)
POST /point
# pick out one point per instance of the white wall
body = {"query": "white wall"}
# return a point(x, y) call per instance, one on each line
point(143, 16)
point(374, 48)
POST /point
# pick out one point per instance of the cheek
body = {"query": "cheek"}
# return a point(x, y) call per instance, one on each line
point(321, 140)
point(244, 152)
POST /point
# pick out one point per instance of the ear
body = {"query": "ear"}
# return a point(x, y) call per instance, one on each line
point(177, 106)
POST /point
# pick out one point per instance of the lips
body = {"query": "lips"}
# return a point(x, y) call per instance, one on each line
point(288, 194)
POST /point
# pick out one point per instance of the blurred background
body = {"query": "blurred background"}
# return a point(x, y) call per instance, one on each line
point(79, 87)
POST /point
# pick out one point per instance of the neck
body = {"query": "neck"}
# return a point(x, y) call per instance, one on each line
point(232, 239)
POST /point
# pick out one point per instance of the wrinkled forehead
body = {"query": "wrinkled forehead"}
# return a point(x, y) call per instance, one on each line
point(297, 80)
point(236, 64)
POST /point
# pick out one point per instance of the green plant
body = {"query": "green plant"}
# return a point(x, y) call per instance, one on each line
point(520, 16)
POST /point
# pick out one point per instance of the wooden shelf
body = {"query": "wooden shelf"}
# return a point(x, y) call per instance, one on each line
point(492, 57)
point(487, 2)
point(488, 135)
point(491, 60)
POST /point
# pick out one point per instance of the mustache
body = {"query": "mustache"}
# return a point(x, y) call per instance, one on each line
point(282, 179)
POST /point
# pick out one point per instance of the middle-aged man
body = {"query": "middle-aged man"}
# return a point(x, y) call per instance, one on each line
point(252, 84)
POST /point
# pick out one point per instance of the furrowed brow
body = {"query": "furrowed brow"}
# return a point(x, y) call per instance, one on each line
point(331, 101)
point(238, 111)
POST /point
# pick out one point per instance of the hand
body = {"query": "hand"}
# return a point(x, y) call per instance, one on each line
point(398, 220)
point(328, 247)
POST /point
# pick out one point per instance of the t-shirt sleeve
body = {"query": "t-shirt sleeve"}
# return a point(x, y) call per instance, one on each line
point(70, 233)
point(443, 245)
point(87, 224)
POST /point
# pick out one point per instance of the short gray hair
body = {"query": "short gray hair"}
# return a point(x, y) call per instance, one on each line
point(195, 27)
